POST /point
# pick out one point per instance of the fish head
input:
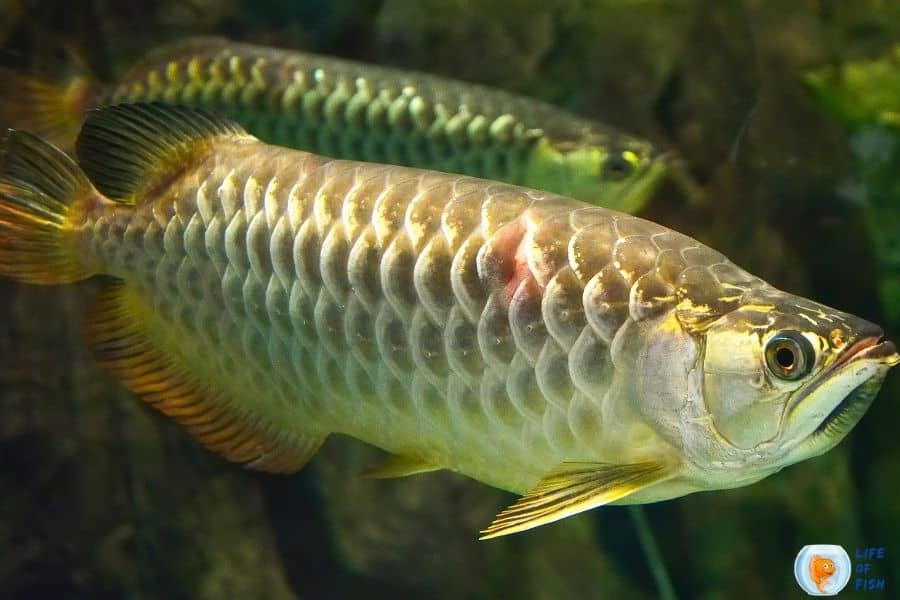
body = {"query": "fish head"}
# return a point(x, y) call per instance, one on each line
point(822, 566)
point(616, 172)
point(785, 378)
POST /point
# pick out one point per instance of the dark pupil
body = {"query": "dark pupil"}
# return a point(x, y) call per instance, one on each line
point(785, 358)
point(616, 165)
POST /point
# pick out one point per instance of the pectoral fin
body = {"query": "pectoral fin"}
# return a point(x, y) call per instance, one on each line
point(399, 465)
point(573, 488)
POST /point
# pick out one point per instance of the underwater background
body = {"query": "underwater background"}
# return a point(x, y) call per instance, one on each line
point(786, 115)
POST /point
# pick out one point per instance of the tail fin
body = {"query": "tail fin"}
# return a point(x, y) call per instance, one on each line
point(38, 185)
point(52, 107)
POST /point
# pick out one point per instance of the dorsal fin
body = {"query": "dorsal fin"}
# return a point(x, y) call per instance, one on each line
point(128, 147)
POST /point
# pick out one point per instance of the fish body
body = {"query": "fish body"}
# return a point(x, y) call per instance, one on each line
point(351, 110)
point(820, 570)
point(267, 297)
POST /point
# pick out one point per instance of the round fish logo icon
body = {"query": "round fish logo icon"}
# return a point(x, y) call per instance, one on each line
point(822, 569)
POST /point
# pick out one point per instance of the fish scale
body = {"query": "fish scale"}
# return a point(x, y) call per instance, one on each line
point(366, 112)
point(351, 110)
point(266, 298)
point(372, 114)
point(425, 237)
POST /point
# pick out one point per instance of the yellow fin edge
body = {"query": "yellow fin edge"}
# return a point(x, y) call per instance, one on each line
point(39, 186)
point(120, 344)
point(401, 465)
point(48, 105)
point(572, 488)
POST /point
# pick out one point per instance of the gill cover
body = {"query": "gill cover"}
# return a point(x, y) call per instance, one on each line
point(745, 401)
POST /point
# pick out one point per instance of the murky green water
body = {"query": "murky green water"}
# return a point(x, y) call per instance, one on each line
point(787, 118)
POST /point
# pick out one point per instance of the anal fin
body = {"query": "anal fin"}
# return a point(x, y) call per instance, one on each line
point(401, 465)
point(572, 488)
point(118, 335)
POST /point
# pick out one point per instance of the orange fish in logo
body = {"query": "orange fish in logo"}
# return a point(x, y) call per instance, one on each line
point(820, 569)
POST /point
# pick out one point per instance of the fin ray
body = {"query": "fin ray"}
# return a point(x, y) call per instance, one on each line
point(131, 147)
point(133, 358)
point(51, 105)
point(39, 184)
point(571, 489)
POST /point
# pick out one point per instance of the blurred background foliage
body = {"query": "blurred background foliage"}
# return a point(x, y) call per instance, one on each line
point(787, 115)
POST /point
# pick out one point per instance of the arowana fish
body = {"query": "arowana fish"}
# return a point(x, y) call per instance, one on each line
point(266, 298)
point(352, 110)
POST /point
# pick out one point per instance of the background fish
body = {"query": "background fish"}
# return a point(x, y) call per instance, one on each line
point(266, 298)
point(351, 110)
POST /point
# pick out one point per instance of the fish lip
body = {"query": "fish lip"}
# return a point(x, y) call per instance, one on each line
point(883, 351)
point(868, 348)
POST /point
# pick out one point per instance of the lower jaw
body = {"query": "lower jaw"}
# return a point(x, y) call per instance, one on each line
point(839, 422)
point(851, 409)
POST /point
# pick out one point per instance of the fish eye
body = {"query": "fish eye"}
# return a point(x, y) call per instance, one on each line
point(619, 165)
point(790, 356)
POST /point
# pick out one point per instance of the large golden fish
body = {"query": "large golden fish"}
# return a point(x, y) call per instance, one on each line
point(266, 297)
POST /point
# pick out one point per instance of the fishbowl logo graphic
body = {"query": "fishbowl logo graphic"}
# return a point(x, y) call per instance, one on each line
point(822, 569)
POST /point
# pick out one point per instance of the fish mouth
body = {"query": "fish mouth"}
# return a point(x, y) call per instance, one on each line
point(649, 176)
point(851, 408)
point(869, 348)
point(831, 406)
